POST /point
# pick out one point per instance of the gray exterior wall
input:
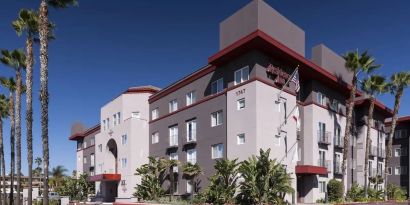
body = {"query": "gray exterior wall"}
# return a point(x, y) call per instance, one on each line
point(85, 148)
point(259, 15)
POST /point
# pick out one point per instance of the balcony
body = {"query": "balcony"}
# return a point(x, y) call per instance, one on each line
point(373, 151)
point(338, 142)
point(323, 137)
point(338, 168)
point(326, 164)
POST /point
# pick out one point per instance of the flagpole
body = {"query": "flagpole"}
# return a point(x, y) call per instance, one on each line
point(287, 117)
point(287, 82)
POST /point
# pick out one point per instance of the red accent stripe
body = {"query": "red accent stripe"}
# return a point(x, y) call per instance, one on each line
point(309, 169)
point(105, 177)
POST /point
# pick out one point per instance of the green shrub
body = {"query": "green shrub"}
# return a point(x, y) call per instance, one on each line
point(335, 190)
point(395, 192)
point(321, 201)
point(375, 195)
point(355, 193)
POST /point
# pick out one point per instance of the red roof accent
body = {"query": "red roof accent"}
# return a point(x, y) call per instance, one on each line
point(377, 105)
point(105, 177)
point(142, 89)
point(77, 136)
point(309, 169)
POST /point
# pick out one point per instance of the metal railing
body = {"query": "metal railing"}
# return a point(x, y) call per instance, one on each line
point(323, 137)
point(325, 163)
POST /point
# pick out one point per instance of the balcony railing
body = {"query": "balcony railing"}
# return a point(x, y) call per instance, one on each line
point(323, 137)
point(337, 168)
point(338, 141)
point(325, 163)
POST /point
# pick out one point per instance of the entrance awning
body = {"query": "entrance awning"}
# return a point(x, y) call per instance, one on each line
point(309, 169)
point(105, 177)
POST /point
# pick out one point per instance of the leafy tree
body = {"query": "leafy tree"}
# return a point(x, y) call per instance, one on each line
point(191, 172)
point(399, 82)
point(170, 164)
point(264, 180)
point(355, 193)
point(335, 190)
point(373, 86)
point(76, 189)
point(355, 64)
point(224, 183)
point(152, 178)
point(58, 174)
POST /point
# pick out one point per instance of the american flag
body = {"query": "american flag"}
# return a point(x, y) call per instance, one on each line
point(295, 79)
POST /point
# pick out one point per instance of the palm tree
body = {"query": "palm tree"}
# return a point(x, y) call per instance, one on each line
point(170, 164)
point(44, 34)
point(10, 84)
point(58, 174)
point(27, 23)
point(355, 63)
point(16, 59)
point(39, 162)
point(399, 82)
point(191, 172)
point(4, 107)
point(374, 85)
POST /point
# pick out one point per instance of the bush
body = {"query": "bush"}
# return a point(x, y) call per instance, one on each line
point(335, 190)
point(375, 195)
point(355, 193)
point(395, 192)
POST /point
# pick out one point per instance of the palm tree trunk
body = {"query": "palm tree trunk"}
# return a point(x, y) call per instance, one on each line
point(348, 129)
point(368, 144)
point(3, 171)
point(44, 33)
point(29, 115)
point(18, 133)
point(193, 188)
point(12, 141)
point(390, 138)
point(171, 179)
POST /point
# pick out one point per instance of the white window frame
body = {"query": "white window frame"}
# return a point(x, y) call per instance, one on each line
point(191, 130)
point(189, 187)
point(397, 152)
point(241, 139)
point(92, 160)
point(124, 162)
point(217, 151)
point(118, 118)
point(389, 170)
point(155, 138)
point(217, 86)
point(191, 98)
point(174, 156)
point(85, 159)
point(154, 114)
point(240, 104)
point(322, 187)
point(173, 135)
point(84, 144)
point(241, 75)
point(115, 119)
point(100, 147)
point(397, 170)
point(191, 156)
point(92, 141)
point(108, 123)
point(173, 105)
point(321, 98)
point(104, 125)
point(124, 139)
point(216, 118)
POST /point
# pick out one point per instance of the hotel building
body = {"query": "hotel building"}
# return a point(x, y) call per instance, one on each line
point(240, 103)
point(398, 167)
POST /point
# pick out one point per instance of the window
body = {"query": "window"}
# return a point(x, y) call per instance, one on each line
point(92, 141)
point(322, 158)
point(135, 114)
point(92, 159)
point(190, 98)
point(124, 162)
point(217, 151)
point(276, 140)
point(216, 118)
point(173, 105)
point(338, 136)
point(123, 183)
point(322, 131)
point(389, 171)
point(85, 144)
point(397, 152)
point(155, 138)
point(104, 125)
point(173, 136)
point(400, 134)
point(154, 114)
point(242, 75)
point(85, 160)
point(100, 147)
point(79, 145)
point(397, 171)
point(115, 119)
point(191, 131)
point(335, 105)
point(322, 187)
point(191, 156)
point(241, 138)
point(189, 186)
point(108, 123)
point(174, 156)
point(321, 99)
point(118, 118)
point(217, 86)
point(124, 139)
point(240, 104)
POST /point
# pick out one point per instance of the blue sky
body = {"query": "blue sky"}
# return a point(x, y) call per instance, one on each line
point(103, 47)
